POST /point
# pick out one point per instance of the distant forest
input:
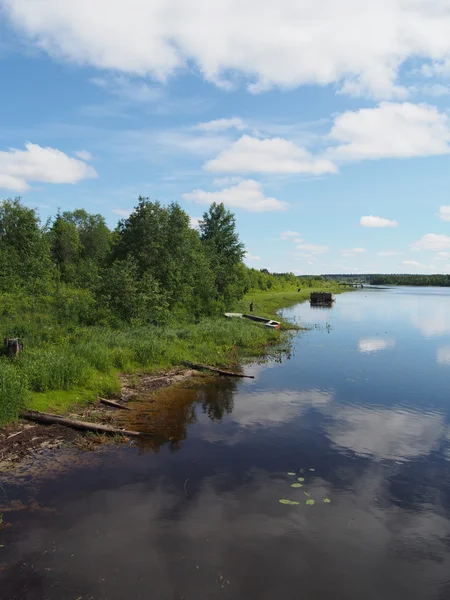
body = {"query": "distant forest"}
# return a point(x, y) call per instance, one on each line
point(422, 280)
point(393, 279)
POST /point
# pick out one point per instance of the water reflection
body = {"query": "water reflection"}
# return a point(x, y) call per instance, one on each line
point(398, 435)
point(206, 522)
point(443, 355)
point(375, 344)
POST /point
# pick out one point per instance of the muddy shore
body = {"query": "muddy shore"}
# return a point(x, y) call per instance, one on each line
point(25, 440)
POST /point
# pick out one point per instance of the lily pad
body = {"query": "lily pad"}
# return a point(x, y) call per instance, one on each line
point(301, 479)
point(290, 502)
point(327, 500)
point(302, 470)
point(291, 474)
point(307, 494)
point(312, 470)
point(297, 485)
point(310, 502)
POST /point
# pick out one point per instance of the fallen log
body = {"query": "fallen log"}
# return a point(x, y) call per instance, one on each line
point(47, 419)
point(214, 370)
point(114, 404)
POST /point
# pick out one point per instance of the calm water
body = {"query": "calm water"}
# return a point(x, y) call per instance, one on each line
point(363, 399)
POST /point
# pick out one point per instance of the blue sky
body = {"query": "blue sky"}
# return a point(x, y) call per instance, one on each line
point(323, 126)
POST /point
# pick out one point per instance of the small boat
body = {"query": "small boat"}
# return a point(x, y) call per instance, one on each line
point(266, 322)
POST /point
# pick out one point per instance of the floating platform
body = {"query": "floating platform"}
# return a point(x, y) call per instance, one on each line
point(321, 299)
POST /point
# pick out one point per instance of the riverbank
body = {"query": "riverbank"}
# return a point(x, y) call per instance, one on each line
point(69, 376)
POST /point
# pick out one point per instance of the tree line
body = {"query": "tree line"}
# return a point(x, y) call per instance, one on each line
point(417, 280)
point(153, 267)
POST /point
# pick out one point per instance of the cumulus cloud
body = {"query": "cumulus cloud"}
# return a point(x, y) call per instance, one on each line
point(313, 249)
point(411, 263)
point(371, 221)
point(444, 213)
point(122, 212)
point(84, 155)
point(360, 46)
point(36, 164)
point(390, 130)
point(286, 235)
point(194, 222)
point(247, 195)
point(434, 242)
point(251, 257)
point(222, 125)
point(389, 253)
point(271, 155)
point(353, 251)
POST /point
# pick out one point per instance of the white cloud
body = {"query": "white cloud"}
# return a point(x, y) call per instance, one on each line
point(353, 251)
point(132, 91)
point(390, 130)
point(271, 155)
point(368, 345)
point(313, 249)
point(222, 125)
point(220, 181)
point(437, 90)
point(285, 235)
point(411, 263)
point(439, 68)
point(371, 221)
point(434, 242)
point(358, 45)
point(247, 195)
point(37, 164)
point(442, 256)
point(251, 257)
point(444, 213)
point(84, 155)
point(194, 222)
point(389, 253)
point(122, 212)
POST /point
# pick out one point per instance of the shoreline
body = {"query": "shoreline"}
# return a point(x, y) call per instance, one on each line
point(22, 440)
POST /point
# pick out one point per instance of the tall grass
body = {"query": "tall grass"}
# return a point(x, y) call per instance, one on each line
point(80, 360)
point(61, 359)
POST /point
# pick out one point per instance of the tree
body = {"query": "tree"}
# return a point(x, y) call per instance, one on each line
point(65, 246)
point(24, 251)
point(221, 241)
point(130, 297)
point(94, 235)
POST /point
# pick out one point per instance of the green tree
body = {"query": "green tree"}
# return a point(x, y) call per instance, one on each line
point(130, 297)
point(24, 251)
point(94, 235)
point(65, 246)
point(221, 241)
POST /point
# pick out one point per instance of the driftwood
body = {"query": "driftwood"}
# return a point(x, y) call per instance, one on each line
point(214, 370)
point(114, 404)
point(39, 417)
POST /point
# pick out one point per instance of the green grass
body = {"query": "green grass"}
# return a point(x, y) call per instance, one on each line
point(62, 367)
point(267, 304)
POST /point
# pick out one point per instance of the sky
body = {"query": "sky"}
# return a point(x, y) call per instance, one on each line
point(324, 126)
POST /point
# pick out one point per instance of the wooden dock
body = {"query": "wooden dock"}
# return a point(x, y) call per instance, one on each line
point(321, 299)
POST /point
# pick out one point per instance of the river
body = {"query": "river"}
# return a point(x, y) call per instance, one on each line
point(356, 417)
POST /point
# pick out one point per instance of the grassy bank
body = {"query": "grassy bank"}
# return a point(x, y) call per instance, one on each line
point(63, 366)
